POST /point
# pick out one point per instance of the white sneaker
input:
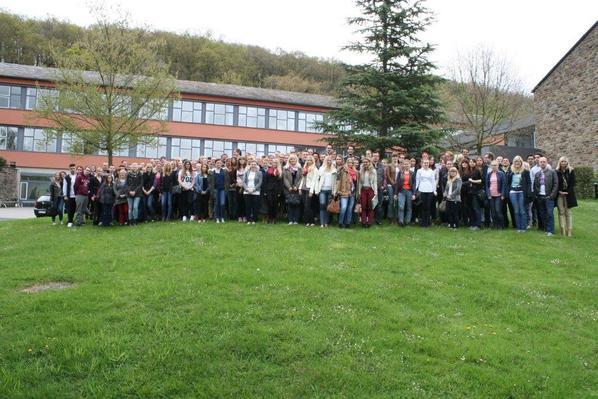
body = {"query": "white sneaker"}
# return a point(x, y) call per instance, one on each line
point(221, 220)
point(69, 225)
point(217, 220)
point(53, 223)
point(184, 218)
point(61, 222)
point(549, 234)
point(252, 222)
point(290, 223)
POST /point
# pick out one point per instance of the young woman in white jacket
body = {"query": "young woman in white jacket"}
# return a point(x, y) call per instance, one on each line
point(309, 180)
point(326, 188)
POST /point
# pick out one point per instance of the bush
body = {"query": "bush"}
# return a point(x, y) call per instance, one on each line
point(2, 162)
point(584, 181)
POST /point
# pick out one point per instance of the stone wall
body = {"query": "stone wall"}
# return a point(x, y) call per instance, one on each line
point(566, 106)
point(8, 183)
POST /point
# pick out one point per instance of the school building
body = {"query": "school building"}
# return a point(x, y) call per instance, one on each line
point(209, 119)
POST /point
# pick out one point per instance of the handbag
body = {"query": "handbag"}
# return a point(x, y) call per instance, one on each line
point(442, 206)
point(293, 198)
point(176, 189)
point(418, 198)
point(358, 208)
point(334, 206)
point(52, 211)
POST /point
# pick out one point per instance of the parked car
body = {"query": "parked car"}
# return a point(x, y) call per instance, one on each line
point(42, 205)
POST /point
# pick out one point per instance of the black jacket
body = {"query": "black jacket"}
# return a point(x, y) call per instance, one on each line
point(525, 185)
point(135, 182)
point(567, 185)
point(166, 183)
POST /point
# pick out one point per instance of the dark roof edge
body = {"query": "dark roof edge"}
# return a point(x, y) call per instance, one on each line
point(581, 39)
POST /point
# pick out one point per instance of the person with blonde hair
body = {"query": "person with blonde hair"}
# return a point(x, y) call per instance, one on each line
point(326, 188)
point(291, 179)
point(518, 189)
point(452, 196)
point(308, 184)
point(367, 188)
point(566, 198)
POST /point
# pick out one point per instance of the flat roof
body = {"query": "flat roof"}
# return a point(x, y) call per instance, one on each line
point(186, 86)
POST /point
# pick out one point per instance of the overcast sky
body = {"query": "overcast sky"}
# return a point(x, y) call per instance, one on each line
point(533, 34)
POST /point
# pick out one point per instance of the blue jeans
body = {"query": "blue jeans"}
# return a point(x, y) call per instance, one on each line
point(345, 217)
point(59, 205)
point(546, 213)
point(519, 209)
point(378, 211)
point(149, 204)
point(324, 198)
point(133, 208)
point(405, 206)
point(219, 203)
point(166, 202)
point(496, 211)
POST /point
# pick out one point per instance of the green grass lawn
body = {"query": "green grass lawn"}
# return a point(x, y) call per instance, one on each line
point(182, 310)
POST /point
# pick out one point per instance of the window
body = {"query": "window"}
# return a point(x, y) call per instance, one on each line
point(284, 149)
point(252, 148)
point(185, 148)
point(34, 96)
point(152, 149)
point(38, 140)
point(8, 137)
point(70, 144)
point(220, 114)
point(215, 148)
point(307, 120)
point(186, 111)
point(10, 96)
point(252, 117)
point(281, 119)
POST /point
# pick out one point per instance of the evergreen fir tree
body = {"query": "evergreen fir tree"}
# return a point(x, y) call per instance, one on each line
point(390, 101)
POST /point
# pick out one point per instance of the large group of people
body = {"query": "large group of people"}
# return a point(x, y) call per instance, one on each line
point(457, 190)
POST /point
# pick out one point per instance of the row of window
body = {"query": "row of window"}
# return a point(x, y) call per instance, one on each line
point(36, 140)
point(190, 111)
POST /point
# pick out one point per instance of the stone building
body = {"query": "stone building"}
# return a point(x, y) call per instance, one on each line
point(566, 104)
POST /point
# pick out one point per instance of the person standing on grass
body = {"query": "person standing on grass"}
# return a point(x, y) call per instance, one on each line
point(478, 195)
point(135, 185)
point(218, 185)
point(185, 179)
point(68, 191)
point(566, 197)
point(291, 179)
point(95, 180)
point(495, 189)
point(231, 192)
point(166, 184)
point(201, 186)
point(121, 192)
point(106, 200)
point(405, 193)
point(546, 190)
point(425, 186)
point(252, 184)
point(325, 188)
point(273, 186)
point(81, 196)
point(518, 188)
point(391, 172)
point(239, 173)
point(56, 198)
point(148, 189)
point(367, 188)
point(346, 188)
point(452, 196)
point(466, 198)
point(309, 179)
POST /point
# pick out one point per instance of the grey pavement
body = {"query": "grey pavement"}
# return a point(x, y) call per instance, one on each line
point(16, 213)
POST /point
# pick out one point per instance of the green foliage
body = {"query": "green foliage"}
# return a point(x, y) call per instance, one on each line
point(584, 180)
point(184, 310)
point(190, 57)
point(101, 114)
point(2, 162)
point(392, 101)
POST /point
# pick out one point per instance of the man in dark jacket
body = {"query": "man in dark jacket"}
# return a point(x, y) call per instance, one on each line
point(546, 188)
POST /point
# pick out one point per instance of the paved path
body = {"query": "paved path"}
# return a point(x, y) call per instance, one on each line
point(16, 213)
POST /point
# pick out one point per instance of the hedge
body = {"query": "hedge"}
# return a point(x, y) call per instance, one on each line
point(584, 180)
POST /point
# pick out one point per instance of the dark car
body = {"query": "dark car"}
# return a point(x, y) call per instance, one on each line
point(42, 206)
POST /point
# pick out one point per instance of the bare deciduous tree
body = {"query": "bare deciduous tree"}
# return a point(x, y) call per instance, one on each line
point(484, 94)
